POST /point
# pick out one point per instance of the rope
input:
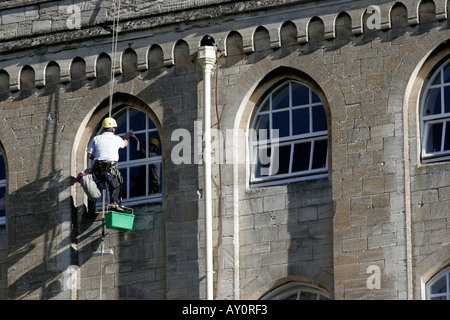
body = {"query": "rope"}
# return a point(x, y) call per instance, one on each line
point(102, 243)
point(115, 33)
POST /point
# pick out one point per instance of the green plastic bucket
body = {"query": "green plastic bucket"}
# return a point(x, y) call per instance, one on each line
point(119, 220)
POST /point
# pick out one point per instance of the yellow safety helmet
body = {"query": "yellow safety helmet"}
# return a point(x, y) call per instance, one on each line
point(109, 123)
point(154, 141)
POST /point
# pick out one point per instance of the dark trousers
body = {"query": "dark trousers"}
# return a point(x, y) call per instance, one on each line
point(107, 172)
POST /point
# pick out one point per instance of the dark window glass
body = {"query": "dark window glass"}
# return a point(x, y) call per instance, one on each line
point(302, 155)
point(281, 123)
point(300, 95)
point(320, 154)
point(319, 119)
point(280, 98)
point(433, 103)
point(300, 121)
point(434, 140)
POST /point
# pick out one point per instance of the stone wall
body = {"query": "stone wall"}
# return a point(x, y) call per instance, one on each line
point(380, 206)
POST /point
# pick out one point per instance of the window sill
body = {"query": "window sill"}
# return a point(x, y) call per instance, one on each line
point(285, 181)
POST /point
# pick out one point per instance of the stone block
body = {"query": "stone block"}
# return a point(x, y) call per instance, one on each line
point(383, 240)
point(354, 244)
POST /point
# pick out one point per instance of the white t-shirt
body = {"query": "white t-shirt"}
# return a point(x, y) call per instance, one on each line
point(105, 147)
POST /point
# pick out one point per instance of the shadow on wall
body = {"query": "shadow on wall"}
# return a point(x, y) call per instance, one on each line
point(39, 237)
point(45, 229)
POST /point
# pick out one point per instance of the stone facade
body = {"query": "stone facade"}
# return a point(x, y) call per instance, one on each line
point(380, 205)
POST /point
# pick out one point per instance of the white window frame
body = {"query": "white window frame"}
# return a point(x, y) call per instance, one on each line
point(147, 161)
point(444, 273)
point(443, 117)
point(291, 140)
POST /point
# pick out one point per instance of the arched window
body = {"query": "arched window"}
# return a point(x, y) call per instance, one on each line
point(141, 162)
point(289, 140)
point(297, 291)
point(438, 288)
point(435, 116)
point(2, 191)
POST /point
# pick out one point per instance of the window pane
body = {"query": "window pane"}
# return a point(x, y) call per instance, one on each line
point(154, 182)
point(151, 125)
point(302, 153)
point(121, 119)
point(284, 158)
point(2, 168)
point(137, 181)
point(137, 120)
point(447, 74)
point(319, 119)
point(280, 98)
point(447, 136)
point(433, 102)
point(263, 124)
point(314, 97)
point(263, 162)
point(447, 99)
point(281, 122)
point(154, 151)
point(123, 154)
point(440, 285)
point(265, 106)
point(308, 296)
point(300, 121)
point(2, 201)
point(300, 95)
point(123, 172)
point(320, 154)
point(437, 79)
point(439, 298)
point(434, 138)
point(291, 297)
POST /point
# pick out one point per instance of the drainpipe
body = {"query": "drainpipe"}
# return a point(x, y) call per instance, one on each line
point(206, 56)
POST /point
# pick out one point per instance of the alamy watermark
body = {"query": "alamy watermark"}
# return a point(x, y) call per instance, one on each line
point(190, 148)
point(374, 20)
point(374, 280)
point(71, 279)
point(74, 20)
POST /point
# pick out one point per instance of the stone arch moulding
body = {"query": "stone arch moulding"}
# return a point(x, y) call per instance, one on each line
point(264, 289)
point(284, 281)
point(241, 99)
point(429, 267)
